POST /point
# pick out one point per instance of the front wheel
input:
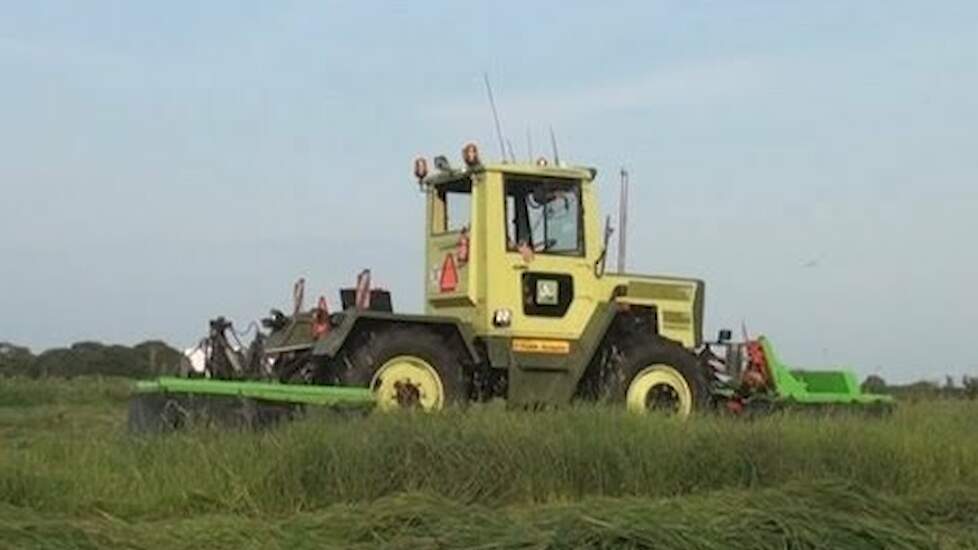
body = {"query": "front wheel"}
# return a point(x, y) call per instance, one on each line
point(661, 376)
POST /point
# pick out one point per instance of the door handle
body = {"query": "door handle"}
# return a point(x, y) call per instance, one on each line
point(520, 267)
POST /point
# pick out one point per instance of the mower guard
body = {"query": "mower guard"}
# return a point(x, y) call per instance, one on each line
point(263, 391)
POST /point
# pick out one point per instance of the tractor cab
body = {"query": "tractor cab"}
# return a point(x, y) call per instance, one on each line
point(519, 249)
point(513, 247)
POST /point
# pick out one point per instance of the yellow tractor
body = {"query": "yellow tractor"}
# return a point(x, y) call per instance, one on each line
point(518, 305)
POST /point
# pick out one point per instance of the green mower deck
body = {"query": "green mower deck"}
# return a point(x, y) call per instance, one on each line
point(169, 403)
point(817, 387)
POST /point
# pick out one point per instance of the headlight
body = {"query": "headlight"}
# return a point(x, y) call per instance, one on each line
point(502, 318)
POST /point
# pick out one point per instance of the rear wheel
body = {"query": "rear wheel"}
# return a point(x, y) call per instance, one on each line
point(408, 368)
point(659, 375)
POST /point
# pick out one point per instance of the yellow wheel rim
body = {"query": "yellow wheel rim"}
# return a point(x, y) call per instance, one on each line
point(405, 382)
point(660, 387)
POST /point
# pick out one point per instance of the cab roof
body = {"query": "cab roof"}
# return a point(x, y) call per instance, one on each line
point(523, 169)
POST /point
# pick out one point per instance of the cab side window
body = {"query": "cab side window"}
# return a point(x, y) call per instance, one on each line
point(453, 207)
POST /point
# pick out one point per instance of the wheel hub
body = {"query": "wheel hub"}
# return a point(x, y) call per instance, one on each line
point(663, 398)
point(407, 394)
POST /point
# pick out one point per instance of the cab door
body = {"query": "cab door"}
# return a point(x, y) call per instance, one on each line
point(449, 287)
point(547, 257)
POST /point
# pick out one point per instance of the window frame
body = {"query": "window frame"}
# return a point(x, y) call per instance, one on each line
point(440, 195)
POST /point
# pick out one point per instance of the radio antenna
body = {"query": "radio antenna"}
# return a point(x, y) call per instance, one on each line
point(495, 117)
point(553, 145)
point(529, 145)
point(509, 147)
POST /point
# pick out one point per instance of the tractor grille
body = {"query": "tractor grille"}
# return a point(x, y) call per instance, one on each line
point(676, 320)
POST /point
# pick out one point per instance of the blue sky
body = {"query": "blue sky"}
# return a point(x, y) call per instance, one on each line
point(163, 163)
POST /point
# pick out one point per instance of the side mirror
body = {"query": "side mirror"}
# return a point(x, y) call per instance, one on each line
point(725, 335)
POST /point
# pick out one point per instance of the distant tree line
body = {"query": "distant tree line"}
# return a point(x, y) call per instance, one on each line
point(148, 359)
point(967, 388)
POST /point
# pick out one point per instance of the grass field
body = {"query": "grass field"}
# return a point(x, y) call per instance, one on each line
point(70, 477)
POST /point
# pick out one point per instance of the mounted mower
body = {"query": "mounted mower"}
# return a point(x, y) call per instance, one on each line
point(518, 305)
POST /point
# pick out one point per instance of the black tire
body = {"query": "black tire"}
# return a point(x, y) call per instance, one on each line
point(637, 357)
point(429, 347)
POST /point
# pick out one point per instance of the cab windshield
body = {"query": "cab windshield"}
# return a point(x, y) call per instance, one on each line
point(544, 215)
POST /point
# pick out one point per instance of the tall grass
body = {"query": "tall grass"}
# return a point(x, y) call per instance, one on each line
point(85, 390)
point(530, 478)
point(487, 455)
